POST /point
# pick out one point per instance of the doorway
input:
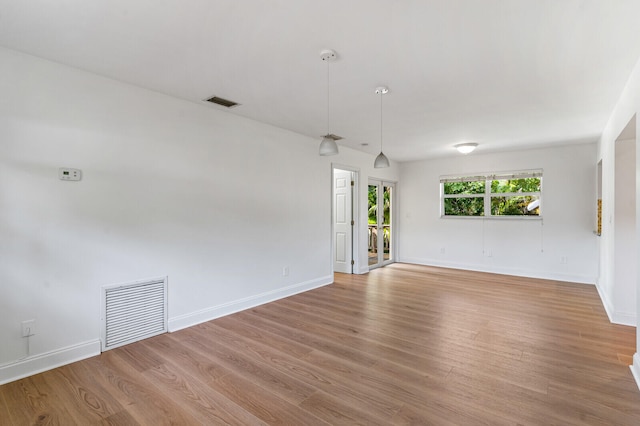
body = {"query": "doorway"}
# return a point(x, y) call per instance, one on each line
point(380, 203)
point(344, 185)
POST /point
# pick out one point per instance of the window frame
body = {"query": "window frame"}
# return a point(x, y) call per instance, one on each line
point(487, 195)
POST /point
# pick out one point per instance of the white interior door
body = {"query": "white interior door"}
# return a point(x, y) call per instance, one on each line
point(343, 221)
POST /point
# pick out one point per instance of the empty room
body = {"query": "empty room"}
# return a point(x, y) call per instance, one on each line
point(300, 213)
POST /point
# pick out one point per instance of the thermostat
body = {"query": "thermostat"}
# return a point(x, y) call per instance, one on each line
point(65, 173)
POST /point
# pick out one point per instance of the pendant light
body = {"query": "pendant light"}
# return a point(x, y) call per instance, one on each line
point(328, 146)
point(381, 160)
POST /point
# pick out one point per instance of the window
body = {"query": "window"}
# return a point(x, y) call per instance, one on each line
point(464, 197)
point(516, 194)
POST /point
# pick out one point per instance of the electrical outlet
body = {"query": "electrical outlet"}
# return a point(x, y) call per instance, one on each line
point(442, 250)
point(285, 271)
point(28, 328)
point(564, 260)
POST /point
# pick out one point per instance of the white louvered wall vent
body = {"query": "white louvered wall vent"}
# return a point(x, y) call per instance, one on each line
point(133, 311)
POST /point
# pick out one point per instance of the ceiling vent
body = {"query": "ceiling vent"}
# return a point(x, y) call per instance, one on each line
point(334, 137)
point(222, 102)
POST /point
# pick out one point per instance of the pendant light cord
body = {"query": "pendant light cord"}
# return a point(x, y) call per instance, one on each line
point(381, 160)
point(381, 93)
point(328, 99)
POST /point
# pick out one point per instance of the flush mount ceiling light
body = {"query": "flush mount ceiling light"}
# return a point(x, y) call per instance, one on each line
point(328, 146)
point(466, 148)
point(381, 160)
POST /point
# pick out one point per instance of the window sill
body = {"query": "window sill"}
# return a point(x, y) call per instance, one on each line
point(534, 218)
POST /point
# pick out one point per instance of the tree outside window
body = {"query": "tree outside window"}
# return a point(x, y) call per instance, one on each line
point(492, 195)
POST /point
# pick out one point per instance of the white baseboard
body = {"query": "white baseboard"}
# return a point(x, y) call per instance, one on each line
point(582, 279)
point(635, 368)
point(204, 315)
point(48, 361)
point(363, 270)
point(621, 318)
point(605, 302)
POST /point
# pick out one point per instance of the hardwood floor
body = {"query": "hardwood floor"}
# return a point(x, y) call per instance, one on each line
point(404, 344)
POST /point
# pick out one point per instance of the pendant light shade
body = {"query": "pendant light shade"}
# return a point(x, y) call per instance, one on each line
point(328, 146)
point(381, 160)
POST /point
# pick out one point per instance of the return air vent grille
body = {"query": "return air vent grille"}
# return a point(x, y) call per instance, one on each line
point(133, 312)
point(222, 102)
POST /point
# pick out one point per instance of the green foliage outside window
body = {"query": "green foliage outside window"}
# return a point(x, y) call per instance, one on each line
point(515, 205)
point(515, 185)
point(464, 206)
point(475, 187)
point(373, 205)
point(509, 204)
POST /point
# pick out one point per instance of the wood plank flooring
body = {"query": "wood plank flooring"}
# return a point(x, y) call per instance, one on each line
point(404, 344)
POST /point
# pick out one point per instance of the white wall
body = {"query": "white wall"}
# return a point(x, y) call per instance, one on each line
point(624, 114)
point(216, 202)
point(624, 218)
point(532, 248)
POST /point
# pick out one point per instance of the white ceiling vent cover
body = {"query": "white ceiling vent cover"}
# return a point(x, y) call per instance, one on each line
point(133, 311)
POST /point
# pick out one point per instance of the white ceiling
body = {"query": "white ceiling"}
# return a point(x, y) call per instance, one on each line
point(507, 74)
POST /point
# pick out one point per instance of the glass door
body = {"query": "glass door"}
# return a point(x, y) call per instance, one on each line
point(380, 226)
point(387, 241)
point(372, 208)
